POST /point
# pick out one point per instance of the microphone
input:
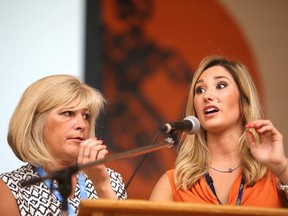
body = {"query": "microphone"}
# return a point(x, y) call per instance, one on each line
point(190, 125)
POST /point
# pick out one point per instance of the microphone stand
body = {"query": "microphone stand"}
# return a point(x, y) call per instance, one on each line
point(63, 176)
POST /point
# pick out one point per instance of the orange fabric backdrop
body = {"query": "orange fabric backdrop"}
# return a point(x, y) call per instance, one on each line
point(151, 49)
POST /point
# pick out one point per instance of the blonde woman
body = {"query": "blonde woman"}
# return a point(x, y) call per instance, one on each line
point(237, 158)
point(52, 128)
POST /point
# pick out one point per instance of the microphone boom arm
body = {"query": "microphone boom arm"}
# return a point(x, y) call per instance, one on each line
point(63, 176)
point(131, 153)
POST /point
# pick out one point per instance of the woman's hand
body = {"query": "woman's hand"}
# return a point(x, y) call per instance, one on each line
point(269, 150)
point(90, 150)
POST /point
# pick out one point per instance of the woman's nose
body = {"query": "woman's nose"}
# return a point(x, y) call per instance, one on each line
point(208, 96)
point(80, 123)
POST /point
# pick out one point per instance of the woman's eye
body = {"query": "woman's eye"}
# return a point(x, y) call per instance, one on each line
point(67, 113)
point(199, 90)
point(86, 116)
point(221, 85)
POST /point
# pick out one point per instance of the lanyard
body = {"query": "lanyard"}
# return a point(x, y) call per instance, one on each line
point(211, 185)
point(52, 186)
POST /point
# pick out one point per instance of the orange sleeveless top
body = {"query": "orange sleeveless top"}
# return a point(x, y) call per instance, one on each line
point(263, 194)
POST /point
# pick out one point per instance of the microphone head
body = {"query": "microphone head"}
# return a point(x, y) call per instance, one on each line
point(166, 128)
point(195, 122)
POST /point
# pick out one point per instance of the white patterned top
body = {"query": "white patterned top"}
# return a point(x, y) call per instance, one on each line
point(39, 200)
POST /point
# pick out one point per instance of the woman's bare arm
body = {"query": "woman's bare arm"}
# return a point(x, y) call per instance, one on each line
point(162, 190)
point(8, 204)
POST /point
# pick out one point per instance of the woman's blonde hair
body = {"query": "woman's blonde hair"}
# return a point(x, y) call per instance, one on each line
point(194, 158)
point(25, 133)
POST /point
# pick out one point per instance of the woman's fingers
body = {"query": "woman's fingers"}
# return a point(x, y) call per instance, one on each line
point(90, 150)
point(98, 152)
point(250, 139)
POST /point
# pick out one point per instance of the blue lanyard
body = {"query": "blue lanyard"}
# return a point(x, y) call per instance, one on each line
point(211, 185)
point(52, 186)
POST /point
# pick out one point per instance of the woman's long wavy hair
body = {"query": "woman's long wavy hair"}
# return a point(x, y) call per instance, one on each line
point(194, 157)
point(25, 133)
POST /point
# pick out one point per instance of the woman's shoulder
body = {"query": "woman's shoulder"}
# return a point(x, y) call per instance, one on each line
point(170, 173)
point(20, 174)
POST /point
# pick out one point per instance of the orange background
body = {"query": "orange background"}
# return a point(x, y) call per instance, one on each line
point(152, 88)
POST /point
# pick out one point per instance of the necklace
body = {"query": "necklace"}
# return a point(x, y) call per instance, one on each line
point(229, 170)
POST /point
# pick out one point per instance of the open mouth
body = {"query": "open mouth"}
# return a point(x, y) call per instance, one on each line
point(211, 110)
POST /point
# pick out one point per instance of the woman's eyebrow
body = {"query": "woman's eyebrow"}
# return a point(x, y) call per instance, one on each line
point(216, 77)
